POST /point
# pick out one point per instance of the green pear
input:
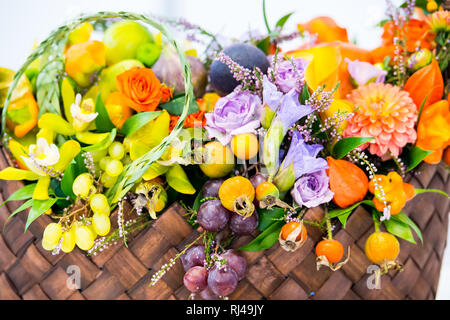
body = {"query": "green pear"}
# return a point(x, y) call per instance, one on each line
point(107, 83)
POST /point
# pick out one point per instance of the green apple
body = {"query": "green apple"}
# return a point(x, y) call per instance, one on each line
point(107, 83)
point(148, 53)
point(123, 39)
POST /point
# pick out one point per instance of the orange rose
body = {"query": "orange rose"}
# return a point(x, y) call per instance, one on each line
point(195, 119)
point(140, 88)
point(166, 93)
point(433, 130)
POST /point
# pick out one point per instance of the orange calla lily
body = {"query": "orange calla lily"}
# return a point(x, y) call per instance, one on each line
point(323, 67)
point(426, 83)
point(327, 65)
point(326, 29)
point(433, 130)
point(417, 33)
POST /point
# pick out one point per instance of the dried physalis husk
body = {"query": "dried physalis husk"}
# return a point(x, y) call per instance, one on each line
point(292, 236)
point(323, 261)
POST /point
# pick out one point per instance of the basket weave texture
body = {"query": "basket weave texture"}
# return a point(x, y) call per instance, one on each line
point(27, 271)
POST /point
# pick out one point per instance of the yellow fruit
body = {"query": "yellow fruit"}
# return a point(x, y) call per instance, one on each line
point(123, 39)
point(108, 181)
point(82, 185)
point(68, 242)
point(218, 160)
point(84, 237)
point(101, 224)
point(99, 204)
point(52, 234)
point(245, 146)
point(382, 247)
point(48, 245)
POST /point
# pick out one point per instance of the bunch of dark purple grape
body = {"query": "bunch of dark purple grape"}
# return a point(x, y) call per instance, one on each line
point(219, 279)
point(212, 216)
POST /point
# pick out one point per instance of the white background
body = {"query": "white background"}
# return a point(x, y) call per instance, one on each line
point(24, 21)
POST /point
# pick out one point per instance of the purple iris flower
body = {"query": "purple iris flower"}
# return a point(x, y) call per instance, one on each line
point(303, 156)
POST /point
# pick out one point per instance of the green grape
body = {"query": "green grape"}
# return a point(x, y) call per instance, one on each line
point(116, 150)
point(101, 224)
point(98, 155)
point(68, 242)
point(114, 168)
point(82, 185)
point(103, 162)
point(108, 181)
point(99, 204)
point(84, 237)
point(52, 234)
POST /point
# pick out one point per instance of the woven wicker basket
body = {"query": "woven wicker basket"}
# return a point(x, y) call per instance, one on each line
point(27, 271)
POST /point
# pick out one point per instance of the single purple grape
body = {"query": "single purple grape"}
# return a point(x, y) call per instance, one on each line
point(257, 179)
point(196, 279)
point(207, 294)
point(194, 256)
point(222, 281)
point(211, 188)
point(236, 262)
point(212, 216)
point(242, 226)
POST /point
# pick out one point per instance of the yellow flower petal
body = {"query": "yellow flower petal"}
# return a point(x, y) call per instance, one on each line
point(41, 190)
point(68, 152)
point(11, 173)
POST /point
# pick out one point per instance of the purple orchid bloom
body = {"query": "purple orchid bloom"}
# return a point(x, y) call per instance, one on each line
point(312, 189)
point(236, 113)
point(363, 72)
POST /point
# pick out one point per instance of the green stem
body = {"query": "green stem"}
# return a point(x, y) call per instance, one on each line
point(329, 231)
point(265, 17)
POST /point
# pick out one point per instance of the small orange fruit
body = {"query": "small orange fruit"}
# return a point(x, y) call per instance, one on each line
point(237, 194)
point(382, 247)
point(266, 189)
point(289, 227)
point(292, 236)
point(331, 249)
point(245, 146)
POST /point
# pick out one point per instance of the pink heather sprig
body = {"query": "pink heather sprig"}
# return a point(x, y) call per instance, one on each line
point(250, 80)
point(89, 162)
point(320, 100)
point(166, 267)
point(359, 157)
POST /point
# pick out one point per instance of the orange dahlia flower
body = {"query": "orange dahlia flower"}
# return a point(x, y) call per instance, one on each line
point(417, 33)
point(433, 130)
point(386, 113)
point(141, 89)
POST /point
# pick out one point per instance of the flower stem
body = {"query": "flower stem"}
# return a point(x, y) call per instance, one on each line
point(329, 230)
point(265, 17)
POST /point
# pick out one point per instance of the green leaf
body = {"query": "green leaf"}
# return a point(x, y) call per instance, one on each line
point(102, 122)
point(175, 106)
point(178, 180)
point(345, 145)
point(38, 208)
point(282, 21)
point(267, 217)
point(197, 203)
point(76, 168)
point(382, 23)
point(266, 239)
point(24, 206)
point(305, 94)
point(421, 108)
point(343, 214)
point(419, 191)
point(399, 229)
point(402, 217)
point(137, 121)
point(47, 89)
point(416, 155)
point(264, 45)
point(21, 194)
point(105, 143)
